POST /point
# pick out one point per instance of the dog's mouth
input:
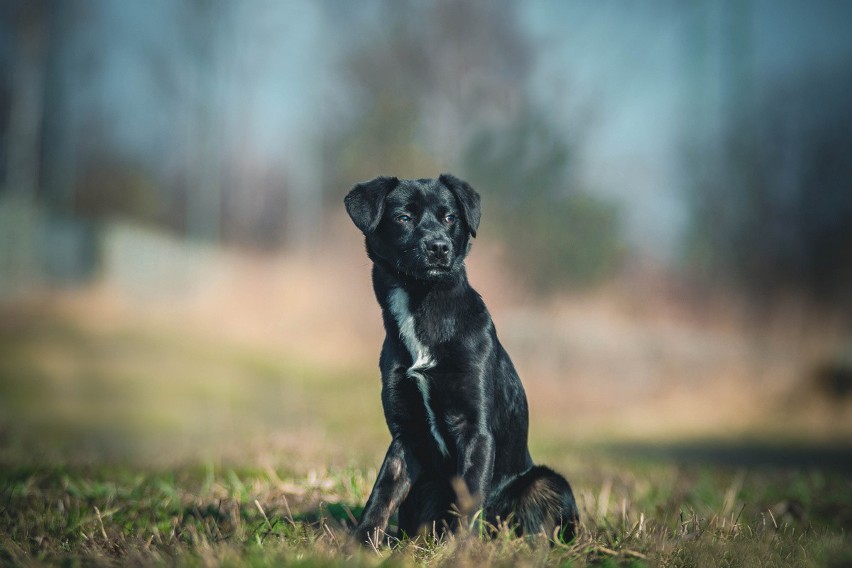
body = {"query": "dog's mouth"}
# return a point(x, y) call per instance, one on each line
point(420, 264)
point(426, 269)
point(437, 270)
point(441, 263)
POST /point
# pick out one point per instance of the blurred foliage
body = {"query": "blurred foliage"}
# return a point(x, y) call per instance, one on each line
point(423, 84)
point(108, 190)
point(384, 134)
point(555, 231)
point(237, 122)
point(775, 215)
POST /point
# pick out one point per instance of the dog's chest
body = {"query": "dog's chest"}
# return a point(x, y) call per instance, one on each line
point(422, 358)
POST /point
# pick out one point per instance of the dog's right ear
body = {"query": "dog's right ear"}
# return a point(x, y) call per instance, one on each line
point(365, 202)
point(467, 198)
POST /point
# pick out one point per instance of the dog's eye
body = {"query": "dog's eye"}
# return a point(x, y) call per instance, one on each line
point(449, 219)
point(403, 218)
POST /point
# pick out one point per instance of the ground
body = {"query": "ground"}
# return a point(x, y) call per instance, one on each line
point(172, 433)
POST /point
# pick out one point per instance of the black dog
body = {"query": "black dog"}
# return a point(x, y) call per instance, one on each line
point(453, 402)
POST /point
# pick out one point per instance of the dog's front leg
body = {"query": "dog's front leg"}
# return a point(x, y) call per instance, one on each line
point(399, 471)
point(476, 465)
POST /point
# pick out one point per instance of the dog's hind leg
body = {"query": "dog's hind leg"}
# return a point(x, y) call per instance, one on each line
point(537, 501)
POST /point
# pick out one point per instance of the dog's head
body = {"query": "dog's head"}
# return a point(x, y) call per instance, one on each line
point(420, 228)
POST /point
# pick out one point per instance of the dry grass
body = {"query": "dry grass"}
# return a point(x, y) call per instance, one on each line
point(209, 516)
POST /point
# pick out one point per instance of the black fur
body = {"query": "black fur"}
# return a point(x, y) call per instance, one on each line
point(453, 402)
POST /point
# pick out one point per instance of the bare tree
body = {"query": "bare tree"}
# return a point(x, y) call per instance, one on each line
point(437, 74)
point(27, 96)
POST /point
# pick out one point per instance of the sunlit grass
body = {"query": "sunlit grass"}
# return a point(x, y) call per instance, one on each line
point(72, 393)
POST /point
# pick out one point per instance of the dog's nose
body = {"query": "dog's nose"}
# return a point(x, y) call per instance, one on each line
point(439, 248)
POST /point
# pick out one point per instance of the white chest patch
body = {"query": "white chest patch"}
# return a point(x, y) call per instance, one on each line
point(423, 361)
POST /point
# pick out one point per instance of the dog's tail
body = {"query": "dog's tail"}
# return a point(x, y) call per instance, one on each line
point(537, 501)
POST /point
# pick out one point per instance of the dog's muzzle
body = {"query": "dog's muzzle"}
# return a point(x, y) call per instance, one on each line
point(438, 252)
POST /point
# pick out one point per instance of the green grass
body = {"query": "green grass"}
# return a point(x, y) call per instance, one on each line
point(132, 445)
point(654, 514)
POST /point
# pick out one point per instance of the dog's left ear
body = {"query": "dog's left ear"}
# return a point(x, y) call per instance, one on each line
point(467, 197)
point(365, 202)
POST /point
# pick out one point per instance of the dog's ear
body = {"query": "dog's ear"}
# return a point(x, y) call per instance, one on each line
point(365, 202)
point(467, 197)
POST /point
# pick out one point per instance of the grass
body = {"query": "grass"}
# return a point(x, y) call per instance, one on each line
point(653, 514)
point(136, 445)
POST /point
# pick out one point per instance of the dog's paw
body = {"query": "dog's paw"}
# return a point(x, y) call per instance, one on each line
point(369, 536)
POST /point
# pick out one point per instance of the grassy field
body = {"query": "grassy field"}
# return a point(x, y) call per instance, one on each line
point(635, 513)
point(128, 443)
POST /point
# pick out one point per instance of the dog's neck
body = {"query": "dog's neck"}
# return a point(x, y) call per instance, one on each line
point(432, 305)
point(418, 290)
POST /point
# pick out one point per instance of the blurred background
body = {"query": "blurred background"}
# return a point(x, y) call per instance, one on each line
point(666, 246)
